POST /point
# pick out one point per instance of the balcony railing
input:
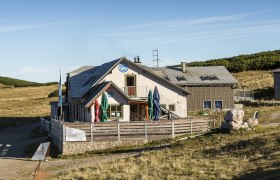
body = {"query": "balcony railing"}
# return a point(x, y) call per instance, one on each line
point(136, 91)
point(143, 91)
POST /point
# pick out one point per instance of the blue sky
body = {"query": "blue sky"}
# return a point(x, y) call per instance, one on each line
point(39, 37)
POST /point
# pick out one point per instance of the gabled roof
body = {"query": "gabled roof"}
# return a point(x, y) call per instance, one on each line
point(97, 90)
point(96, 75)
point(77, 76)
point(199, 76)
point(81, 69)
point(99, 72)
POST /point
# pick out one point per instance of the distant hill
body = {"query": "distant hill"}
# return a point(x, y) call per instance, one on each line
point(6, 81)
point(254, 80)
point(259, 61)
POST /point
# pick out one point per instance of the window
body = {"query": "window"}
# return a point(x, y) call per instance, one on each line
point(206, 104)
point(171, 107)
point(218, 105)
point(130, 81)
point(114, 111)
point(208, 77)
point(166, 78)
point(214, 77)
point(181, 78)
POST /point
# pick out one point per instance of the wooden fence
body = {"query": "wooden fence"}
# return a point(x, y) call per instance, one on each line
point(112, 131)
point(46, 126)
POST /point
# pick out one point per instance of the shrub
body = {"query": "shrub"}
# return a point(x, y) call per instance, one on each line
point(55, 93)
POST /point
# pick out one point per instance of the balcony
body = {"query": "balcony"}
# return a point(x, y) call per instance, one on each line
point(136, 91)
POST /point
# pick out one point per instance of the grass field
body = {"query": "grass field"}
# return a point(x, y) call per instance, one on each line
point(26, 102)
point(217, 155)
point(253, 80)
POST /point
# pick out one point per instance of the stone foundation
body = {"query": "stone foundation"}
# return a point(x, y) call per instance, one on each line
point(70, 148)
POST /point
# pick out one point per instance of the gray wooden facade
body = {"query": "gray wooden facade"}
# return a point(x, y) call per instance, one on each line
point(208, 93)
point(211, 84)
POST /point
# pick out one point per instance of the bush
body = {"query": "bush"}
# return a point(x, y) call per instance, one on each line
point(55, 93)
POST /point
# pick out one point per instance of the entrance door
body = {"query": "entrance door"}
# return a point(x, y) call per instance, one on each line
point(130, 82)
point(134, 112)
point(138, 112)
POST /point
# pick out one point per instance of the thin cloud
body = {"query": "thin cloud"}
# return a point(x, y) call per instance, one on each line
point(208, 36)
point(9, 28)
point(171, 24)
point(135, 29)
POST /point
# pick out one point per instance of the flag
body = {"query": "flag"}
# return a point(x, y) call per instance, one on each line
point(60, 96)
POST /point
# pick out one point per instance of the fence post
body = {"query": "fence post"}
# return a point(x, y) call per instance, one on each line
point(191, 125)
point(119, 132)
point(146, 131)
point(173, 129)
point(91, 131)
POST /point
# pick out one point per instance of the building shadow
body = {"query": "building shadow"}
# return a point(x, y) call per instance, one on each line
point(20, 137)
point(269, 172)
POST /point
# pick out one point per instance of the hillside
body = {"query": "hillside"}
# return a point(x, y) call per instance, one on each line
point(258, 61)
point(26, 102)
point(254, 80)
point(21, 83)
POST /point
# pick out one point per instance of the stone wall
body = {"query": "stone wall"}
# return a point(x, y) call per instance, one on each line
point(70, 148)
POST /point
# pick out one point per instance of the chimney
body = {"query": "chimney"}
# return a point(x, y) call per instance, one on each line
point(137, 60)
point(184, 67)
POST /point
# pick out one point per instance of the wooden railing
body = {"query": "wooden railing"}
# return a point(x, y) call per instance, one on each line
point(112, 131)
point(136, 91)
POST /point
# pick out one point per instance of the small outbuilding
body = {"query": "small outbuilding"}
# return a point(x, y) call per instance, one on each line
point(276, 74)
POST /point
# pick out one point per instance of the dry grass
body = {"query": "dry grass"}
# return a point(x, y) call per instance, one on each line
point(244, 154)
point(26, 102)
point(254, 79)
point(2, 86)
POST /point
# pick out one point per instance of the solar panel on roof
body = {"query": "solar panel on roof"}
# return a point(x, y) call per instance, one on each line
point(181, 78)
point(209, 77)
point(166, 78)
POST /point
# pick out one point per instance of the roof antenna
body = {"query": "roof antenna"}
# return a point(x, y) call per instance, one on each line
point(155, 58)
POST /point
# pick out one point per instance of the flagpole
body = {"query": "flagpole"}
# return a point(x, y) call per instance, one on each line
point(61, 96)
